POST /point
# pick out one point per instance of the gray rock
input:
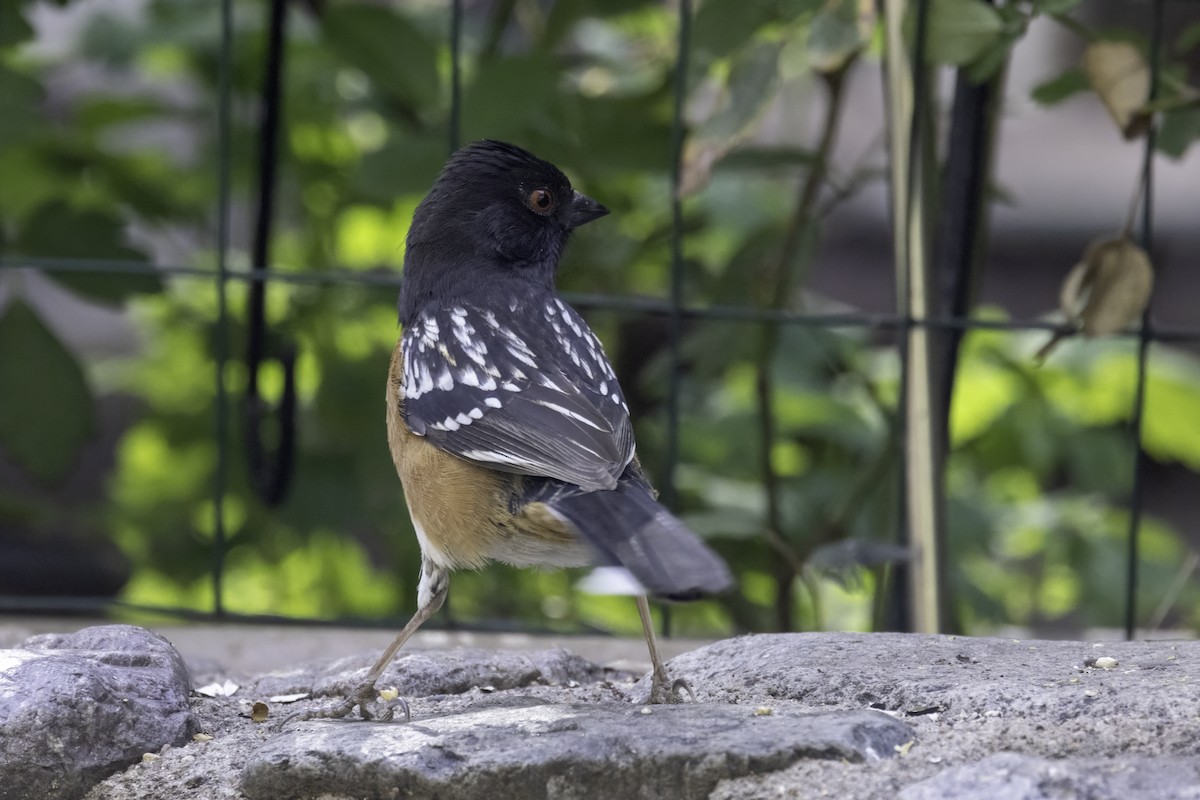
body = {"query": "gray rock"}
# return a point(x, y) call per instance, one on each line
point(77, 707)
point(432, 672)
point(1020, 777)
point(567, 752)
point(958, 677)
point(501, 724)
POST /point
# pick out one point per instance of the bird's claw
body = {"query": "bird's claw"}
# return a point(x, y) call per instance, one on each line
point(664, 691)
point(371, 705)
point(680, 683)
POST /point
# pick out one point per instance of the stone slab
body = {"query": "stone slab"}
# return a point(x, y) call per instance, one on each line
point(568, 752)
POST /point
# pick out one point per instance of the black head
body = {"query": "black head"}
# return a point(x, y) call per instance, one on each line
point(496, 214)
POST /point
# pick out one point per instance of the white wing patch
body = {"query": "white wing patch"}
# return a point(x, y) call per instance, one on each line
point(529, 392)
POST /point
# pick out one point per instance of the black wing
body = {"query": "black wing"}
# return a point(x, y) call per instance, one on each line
point(628, 527)
point(531, 393)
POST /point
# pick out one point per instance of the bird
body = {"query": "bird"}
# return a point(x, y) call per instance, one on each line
point(505, 420)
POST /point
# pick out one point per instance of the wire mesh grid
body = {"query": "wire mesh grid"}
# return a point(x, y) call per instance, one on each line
point(673, 307)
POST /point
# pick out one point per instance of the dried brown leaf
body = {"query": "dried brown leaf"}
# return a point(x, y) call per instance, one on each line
point(1104, 292)
point(1109, 288)
point(1119, 74)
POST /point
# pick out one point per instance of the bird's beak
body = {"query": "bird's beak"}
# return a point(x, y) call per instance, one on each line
point(583, 210)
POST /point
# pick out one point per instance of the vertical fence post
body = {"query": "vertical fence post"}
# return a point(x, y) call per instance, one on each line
point(675, 376)
point(1145, 335)
point(221, 334)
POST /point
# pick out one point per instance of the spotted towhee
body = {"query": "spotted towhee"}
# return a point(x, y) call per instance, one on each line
point(504, 417)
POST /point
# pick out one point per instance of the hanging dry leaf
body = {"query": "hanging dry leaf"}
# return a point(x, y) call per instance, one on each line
point(1109, 289)
point(1106, 291)
point(1119, 74)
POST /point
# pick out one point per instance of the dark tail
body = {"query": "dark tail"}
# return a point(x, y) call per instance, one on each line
point(629, 528)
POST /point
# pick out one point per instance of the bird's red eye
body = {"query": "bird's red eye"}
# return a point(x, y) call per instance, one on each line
point(541, 201)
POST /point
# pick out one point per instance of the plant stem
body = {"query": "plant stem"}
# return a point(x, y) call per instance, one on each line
point(790, 565)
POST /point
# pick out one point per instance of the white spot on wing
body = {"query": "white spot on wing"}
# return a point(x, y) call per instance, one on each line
point(566, 412)
point(496, 457)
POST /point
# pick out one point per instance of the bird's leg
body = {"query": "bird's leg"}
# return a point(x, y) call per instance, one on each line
point(431, 593)
point(662, 690)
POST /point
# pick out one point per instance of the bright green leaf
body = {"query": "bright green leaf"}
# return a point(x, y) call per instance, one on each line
point(46, 410)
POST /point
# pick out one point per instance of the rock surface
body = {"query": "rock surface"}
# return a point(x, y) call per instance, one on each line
point(576, 752)
point(840, 715)
point(1019, 777)
point(76, 708)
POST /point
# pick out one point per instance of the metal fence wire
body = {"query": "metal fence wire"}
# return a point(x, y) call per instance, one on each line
point(270, 467)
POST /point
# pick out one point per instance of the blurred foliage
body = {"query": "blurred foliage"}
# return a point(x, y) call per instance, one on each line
point(108, 148)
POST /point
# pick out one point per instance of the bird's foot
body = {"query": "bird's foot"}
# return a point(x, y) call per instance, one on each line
point(373, 704)
point(664, 691)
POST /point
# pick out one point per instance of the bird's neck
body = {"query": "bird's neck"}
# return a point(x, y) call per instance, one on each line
point(431, 284)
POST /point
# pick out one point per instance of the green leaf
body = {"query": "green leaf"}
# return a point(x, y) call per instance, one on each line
point(405, 165)
point(1054, 6)
point(14, 29)
point(1189, 38)
point(993, 59)
point(768, 157)
point(56, 230)
point(838, 33)
point(1178, 130)
point(19, 113)
point(1055, 90)
point(46, 410)
point(751, 85)
point(387, 47)
point(724, 26)
point(511, 97)
point(621, 133)
point(564, 16)
point(960, 31)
